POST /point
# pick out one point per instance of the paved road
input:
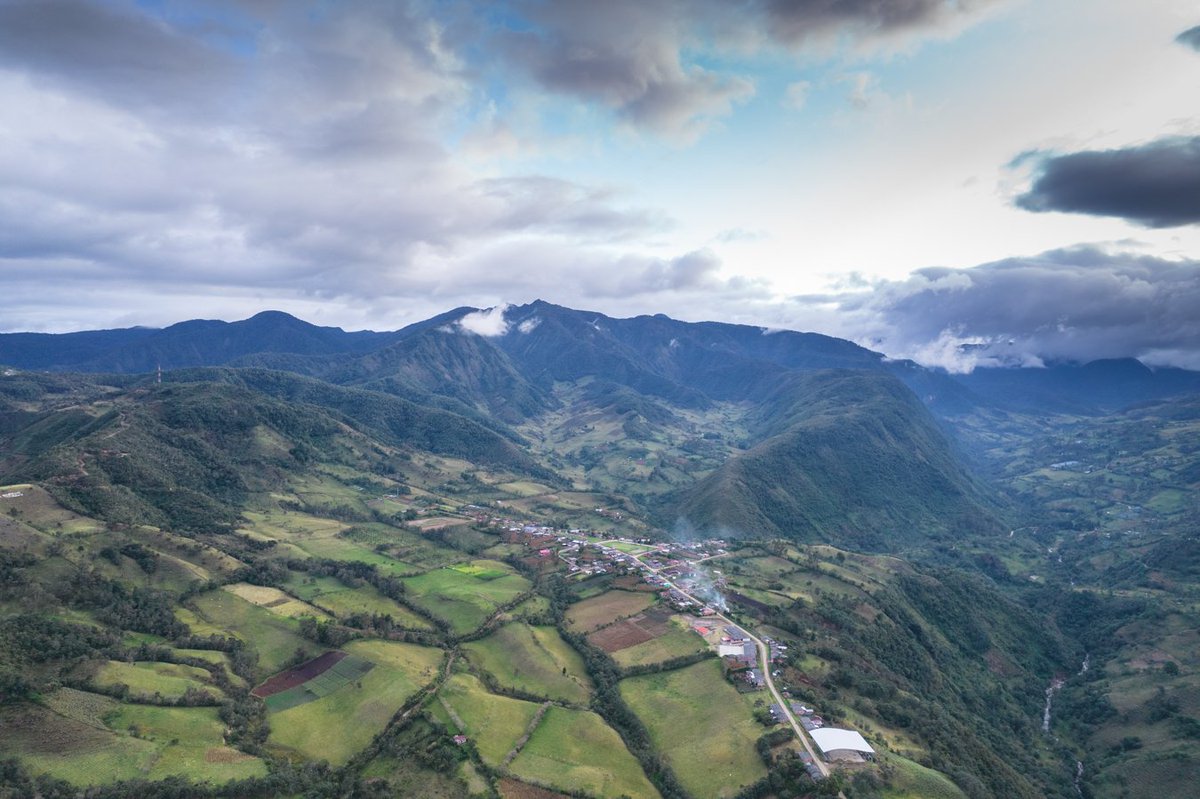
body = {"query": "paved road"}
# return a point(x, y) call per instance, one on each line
point(764, 654)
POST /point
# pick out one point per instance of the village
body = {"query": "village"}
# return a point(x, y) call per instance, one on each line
point(685, 584)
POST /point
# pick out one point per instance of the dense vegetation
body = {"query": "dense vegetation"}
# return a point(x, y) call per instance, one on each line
point(297, 495)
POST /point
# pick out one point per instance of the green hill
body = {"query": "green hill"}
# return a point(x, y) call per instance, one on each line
point(848, 457)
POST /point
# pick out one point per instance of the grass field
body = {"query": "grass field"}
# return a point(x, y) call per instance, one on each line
point(338, 725)
point(535, 660)
point(275, 601)
point(629, 547)
point(171, 680)
point(678, 642)
point(536, 605)
point(591, 613)
point(576, 750)
point(913, 781)
point(493, 722)
point(702, 726)
point(341, 600)
point(89, 739)
point(41, 511)
point(273, 637)
point(465, 595)
point(307, 535)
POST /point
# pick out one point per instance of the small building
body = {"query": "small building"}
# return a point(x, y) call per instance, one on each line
point(846, 745)
point(460, 739)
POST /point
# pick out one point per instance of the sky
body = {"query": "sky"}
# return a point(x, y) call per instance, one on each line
point(961, 182)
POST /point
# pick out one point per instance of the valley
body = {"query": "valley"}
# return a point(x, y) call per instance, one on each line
point(598, 558)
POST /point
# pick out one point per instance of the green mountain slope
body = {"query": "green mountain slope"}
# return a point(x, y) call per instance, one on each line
point(847, 457)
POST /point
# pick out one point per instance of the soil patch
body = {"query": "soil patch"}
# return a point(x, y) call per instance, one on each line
point(632, 631)
point(515, 789)
point(223, 754)
point(299, 675)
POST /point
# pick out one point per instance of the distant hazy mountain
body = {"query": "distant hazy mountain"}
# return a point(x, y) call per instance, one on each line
point(198, 342)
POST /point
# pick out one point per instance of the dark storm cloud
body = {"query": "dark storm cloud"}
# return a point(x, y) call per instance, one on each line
point(1190, 38)
point(121, 55)
point(799, 21)
point(1154, 185)
point(1075, 304)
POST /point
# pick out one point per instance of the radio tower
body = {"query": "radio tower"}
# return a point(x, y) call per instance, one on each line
point(159, 381)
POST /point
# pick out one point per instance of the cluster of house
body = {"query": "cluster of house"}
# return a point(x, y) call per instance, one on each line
point(740, 655)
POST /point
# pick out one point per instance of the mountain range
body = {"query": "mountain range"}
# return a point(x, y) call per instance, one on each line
point(834, 442)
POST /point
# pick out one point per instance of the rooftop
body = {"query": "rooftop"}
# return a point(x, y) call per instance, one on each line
point(831, 739)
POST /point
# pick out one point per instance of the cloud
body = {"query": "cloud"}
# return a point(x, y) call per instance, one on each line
point(800, 22)
point(662, 66)
point(586, 50)
point(796, 95)
point(129, 57)
point(1154, 185)
point(130, 166)
point(1190, 38)
point(488, 322)
point(1076, 304)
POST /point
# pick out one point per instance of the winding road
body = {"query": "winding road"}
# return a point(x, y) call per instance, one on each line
point(764, 655)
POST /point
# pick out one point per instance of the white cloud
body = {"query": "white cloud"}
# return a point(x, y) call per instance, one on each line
point(796, 95)
point(488, 322)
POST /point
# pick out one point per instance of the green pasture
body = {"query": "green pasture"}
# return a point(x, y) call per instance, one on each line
point(576, 750)
point(701, 725)
point(465, 595)
point(913, 781)
point(339, 599)
point(42, 512)
point(336, 726)
point(88, 739)
point(493, 722)
point(275, 638)
point(534, 660)
point(147, 678)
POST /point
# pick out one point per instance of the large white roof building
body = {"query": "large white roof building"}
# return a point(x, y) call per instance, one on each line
point(831, 739)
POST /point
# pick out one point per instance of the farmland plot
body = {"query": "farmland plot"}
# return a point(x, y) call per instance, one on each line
point(701, 725)
point(576, 750)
